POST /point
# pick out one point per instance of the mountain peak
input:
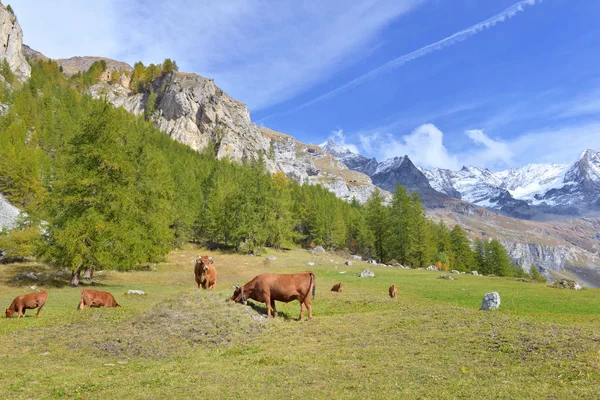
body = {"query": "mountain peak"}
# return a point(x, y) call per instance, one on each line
point(336, 150)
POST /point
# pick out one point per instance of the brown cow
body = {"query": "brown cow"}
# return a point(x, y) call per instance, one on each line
point(338, 287)
point(393, 291)
point(268, 288)
point(27, 302)
point(206, 273)
point(96, 298)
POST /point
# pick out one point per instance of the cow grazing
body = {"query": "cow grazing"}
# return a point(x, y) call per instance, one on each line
point(393, 291)
point(206, 273)
point(27, 302)
point(96, 298)
point(268, 288)
point(338, 287)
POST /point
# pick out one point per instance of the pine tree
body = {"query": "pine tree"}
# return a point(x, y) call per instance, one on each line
point(464, 257)
point(379, 223)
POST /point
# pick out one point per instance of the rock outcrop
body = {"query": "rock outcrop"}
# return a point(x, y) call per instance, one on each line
point(8, 214)
point(11, 38)
point(195, 112)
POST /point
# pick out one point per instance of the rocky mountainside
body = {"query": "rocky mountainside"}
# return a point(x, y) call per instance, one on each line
point(312, 165)
point(194, 111)
point(11, 38)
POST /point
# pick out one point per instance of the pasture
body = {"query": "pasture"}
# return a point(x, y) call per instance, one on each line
point(432, 342)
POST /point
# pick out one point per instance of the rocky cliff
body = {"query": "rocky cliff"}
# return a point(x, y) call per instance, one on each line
point(194, 111)
point(11, 38)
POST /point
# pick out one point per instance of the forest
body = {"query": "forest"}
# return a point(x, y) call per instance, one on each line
point(101, 188)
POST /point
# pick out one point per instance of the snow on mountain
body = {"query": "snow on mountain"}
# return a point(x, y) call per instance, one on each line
point(524, 183)
point(354, 161)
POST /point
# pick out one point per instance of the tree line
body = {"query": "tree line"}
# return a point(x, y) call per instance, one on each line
point(102, 188)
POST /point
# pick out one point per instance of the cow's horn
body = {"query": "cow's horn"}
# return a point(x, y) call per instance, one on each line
point(236, 286)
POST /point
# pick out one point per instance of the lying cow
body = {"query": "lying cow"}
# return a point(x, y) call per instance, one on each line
point(338, 287)
point(268, 288)
point(206, 273)
point(96, 298)
point(27, 302)
point(393, 291)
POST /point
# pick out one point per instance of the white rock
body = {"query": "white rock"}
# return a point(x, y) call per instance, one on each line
point(491, 301)
point(135, 291)
point(310, 264)
point(367, 273)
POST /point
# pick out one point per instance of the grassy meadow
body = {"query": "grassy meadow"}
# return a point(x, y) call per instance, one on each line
point(432, 342)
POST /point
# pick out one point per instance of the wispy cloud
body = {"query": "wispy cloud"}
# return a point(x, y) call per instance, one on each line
point(260, 52)
point(430, 48)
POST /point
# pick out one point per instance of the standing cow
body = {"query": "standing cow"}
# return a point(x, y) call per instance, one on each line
point(268, 288)
point(206, 273)
point(96, 298)
point(393, 291)
point(27, 302)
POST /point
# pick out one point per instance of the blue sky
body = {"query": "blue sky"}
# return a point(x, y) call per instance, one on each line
point(493, 83)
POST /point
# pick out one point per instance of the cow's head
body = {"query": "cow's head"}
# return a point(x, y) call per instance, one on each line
point(239, 295)
point(9, 312)
point(204, 261)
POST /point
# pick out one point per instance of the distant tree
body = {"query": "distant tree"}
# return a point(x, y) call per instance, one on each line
point(535, 274)
point(7, 72)
point(464, 257)
point(168, 66)
point(115, 77)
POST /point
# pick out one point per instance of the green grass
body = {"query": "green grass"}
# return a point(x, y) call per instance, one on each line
point(177, 342)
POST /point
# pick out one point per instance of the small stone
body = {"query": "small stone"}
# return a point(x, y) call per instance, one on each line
point(271, 258)
point(448, 277)
point(357, 258)
point(474, 273)
point(432, 268)
point(454, 271)
point(491, 301)
point(135, 291)
point(318, 249)
point(310, 264)
point(348, 263)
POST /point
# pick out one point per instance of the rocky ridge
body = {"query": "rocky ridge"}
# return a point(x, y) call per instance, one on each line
point(11, 38)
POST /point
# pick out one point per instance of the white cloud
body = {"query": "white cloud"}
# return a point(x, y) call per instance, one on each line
point(493, 153)
point(424, 146)
point(260, 52)
point(340, 139)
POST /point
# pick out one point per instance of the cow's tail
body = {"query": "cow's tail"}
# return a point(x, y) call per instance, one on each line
point(313, 283)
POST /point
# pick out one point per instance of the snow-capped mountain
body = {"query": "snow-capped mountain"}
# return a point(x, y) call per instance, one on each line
point(550, 188)
point(520, 192)
point(354, 161)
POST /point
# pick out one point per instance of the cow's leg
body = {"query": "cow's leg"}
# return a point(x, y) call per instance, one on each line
point(274, 309)
point(39, 309)
point(21, 312)
point(80, 307)
point(268, 304)
point(302, 306)
point(309, 306)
